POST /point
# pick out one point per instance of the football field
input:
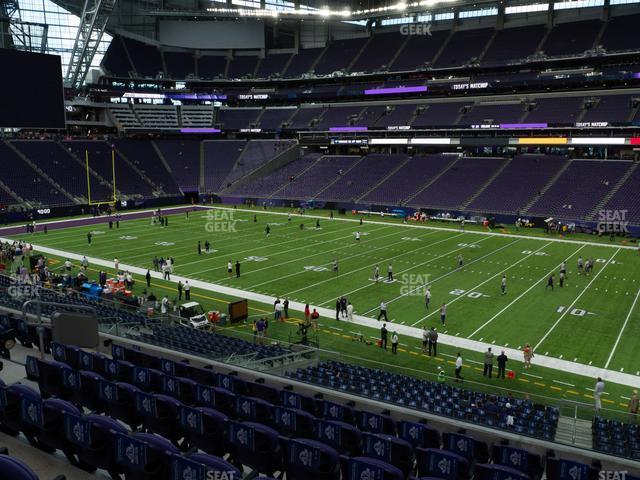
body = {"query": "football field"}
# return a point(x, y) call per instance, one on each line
point(592, 320)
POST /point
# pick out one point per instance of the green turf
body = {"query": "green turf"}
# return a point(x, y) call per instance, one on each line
point(298, 264)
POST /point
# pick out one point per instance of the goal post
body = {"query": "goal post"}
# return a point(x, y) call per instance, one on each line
point(113, 181)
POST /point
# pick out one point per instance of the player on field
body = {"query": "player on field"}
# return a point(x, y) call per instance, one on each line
point(443, 313)
point(390, 273)
point(289, 217)
point(563, 268)
point(562, 277)
point(580, 265)
point(89, 238)
point(460, 261)
point(376, 273)
point(462, 224)
point(229, 268)
point(550, 282)
point(427, 297)
point(358, 237)
point(317, 224)
point(267, 230)
point(207, 246)
point(503, 285)
point(587, 266)
point(335, 266)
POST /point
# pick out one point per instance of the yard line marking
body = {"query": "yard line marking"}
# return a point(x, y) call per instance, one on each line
point(520, 296)
point(482, 283)
point(532, 375)
point(443, 275)
point(401, 271)
point(327, 264)
point(626, 320)
point(365, 267)
point(563, 383)
point(564, 314)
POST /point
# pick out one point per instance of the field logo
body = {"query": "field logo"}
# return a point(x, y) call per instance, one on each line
point(313, 268)
point(612, 475)
point(415, 29)
point(613, 221)
point(220, 221)
point(413, 284)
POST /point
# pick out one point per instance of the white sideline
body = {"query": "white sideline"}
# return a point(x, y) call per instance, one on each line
point(463, 343)
point(411, 225)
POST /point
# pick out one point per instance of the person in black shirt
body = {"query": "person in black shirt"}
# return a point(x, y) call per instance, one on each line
point(502, 364)
point(383, 336)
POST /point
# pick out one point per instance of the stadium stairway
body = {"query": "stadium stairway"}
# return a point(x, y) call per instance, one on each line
point(93, 173)
point(281, 159)
point(486, 184)
point(544, 189)
point(398, 53)
point(309, 167)
point(384, 179)
point(163, 159)
point(574, 431)
point(11, 193)
point(46, 177)
point(133, 167)
point(338, 177)
point(594, 213)
point(407, 200)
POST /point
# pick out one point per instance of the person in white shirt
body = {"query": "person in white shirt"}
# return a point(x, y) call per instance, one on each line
point(376, 273)
point(350, 312)
point(427, 297)
point(597, 394)
point(394, 343)
point(229, 268)
point(187, 291)
point(383, 311)
point(459, 367)
point(390, 273)
point(67, 264)
point(84, 262)
point(357, 236)
point(116, 264)
point(164, 305)
point(278, 311)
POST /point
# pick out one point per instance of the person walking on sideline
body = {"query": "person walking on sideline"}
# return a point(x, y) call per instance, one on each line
point(148, 278)
point(187, 291)
point(459, 368)
point(394, 343)
point(634, 405)
point(383, 311)
point(488, 363)
point(350, 312)
point(383, 336)
point(285, 309)
point(598, 390)
point(502, 364)
point(433, 342)
point(527, 353)
point(179, 290)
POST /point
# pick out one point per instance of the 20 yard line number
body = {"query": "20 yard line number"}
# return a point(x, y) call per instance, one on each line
point(459, 292)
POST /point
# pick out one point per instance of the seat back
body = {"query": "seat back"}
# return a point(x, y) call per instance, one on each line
point(311, 460)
